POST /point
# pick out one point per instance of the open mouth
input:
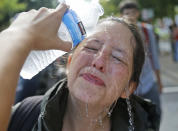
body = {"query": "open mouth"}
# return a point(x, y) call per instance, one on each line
point(93, 79)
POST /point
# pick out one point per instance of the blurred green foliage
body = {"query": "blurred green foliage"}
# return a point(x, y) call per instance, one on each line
point(36, 4)
point(110, 7)
point(7, 10)
point(161, 8)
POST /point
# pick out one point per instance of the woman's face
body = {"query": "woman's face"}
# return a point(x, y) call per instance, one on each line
point(101, 67)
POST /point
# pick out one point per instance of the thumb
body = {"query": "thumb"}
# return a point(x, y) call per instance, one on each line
point(63, 45)
point(59, 13)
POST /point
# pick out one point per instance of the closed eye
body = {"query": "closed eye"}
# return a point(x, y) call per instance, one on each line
point(116, 58)
point(91, 48)
point(119, 60)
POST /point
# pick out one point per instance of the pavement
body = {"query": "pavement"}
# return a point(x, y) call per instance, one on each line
point(169, 97)
point(169, 70)
point(169, 112)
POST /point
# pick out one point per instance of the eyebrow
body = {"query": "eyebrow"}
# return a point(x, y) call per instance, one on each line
point(96, 40)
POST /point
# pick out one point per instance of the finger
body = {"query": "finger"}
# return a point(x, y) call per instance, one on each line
point(51, 10)
point(58, 14)
point(63, 45)
point(21, 14)
point(43, 9)
point(41, 13)
point(62, 1)
point(61, 9)
point(32, 11)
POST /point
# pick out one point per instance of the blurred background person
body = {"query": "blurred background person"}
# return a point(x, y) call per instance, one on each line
point(175, 41)
point(171, 27)
point(164, 32)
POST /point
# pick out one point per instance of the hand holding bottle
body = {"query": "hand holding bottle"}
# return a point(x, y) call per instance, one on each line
point(40, 27)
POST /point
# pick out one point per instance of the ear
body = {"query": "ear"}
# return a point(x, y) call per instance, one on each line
point(132, 88)
point(69, 59)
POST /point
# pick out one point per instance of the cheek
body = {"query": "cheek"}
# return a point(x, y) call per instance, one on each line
point(119, 77)
point(79, 61)
point(119, 73)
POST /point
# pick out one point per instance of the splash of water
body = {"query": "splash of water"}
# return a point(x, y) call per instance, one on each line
point(86, 109)
point(100, 121)
point(129, 109)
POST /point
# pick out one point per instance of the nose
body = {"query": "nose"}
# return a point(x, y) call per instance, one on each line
point(99, 62)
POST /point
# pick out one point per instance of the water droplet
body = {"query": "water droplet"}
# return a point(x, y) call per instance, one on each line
point(86, 109)
point(129, 108)
point(100, 121)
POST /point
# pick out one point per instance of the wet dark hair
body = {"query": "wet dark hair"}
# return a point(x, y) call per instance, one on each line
point(128, 4)
point(138, 49)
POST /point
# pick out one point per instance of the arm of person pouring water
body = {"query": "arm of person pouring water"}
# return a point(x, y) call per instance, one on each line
point(33, 30)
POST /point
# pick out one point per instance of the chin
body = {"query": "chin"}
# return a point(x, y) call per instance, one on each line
point(87, 99)
point(86, 93)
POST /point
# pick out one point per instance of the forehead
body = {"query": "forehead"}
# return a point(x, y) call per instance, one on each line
point(130, 10)
point(113, 32)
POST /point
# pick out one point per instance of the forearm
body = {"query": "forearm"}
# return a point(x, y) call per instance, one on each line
point(12, 56)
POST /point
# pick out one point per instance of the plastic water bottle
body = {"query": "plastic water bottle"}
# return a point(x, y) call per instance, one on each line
point(71, 29)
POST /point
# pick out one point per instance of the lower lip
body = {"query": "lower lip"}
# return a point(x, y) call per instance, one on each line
point(93, 79)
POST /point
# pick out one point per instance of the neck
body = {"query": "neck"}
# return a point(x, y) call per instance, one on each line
point(82, 116)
